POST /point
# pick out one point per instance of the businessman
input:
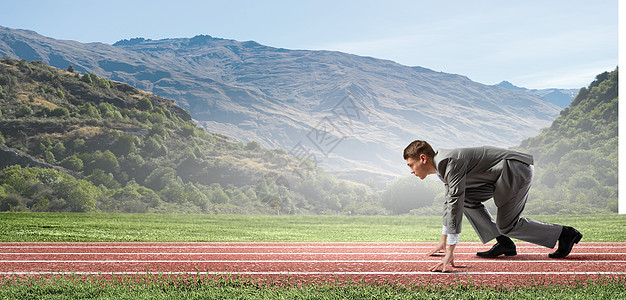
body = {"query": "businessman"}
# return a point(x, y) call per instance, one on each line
point(475, 175)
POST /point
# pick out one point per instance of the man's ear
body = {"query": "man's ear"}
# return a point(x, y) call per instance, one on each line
point(423, 158)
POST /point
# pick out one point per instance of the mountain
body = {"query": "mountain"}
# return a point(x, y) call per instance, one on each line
point(351, 114)
point(576, 158)
point(559, 97)
point(82, 143)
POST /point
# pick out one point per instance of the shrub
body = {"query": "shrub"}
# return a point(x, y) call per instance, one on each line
point(24, 111)
point(73, 163)
point(144, 104)
point(60, 112)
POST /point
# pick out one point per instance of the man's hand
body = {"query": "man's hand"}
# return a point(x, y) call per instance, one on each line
point(447, 259)
point(441, 247)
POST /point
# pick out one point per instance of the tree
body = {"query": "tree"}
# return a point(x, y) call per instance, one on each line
point(94, 77)
point(253, 146)
point(44, 112)
point(60, 112)
point(73, 163)
point(174, 194)
point(104, 83)
point(188, 130)
point(77, 144)
point(161, 178)
point(24, 111)
point(218, 195)
point(99, 177)
point(86, 78)
point(154, 147)
point(90, 111)
point(80, 195)
point(125, 145)
point(106, 161)
point(144, 104)
point(58, 150)
point(49, 157)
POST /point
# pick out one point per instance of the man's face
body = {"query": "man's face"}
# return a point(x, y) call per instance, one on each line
point(418, 166)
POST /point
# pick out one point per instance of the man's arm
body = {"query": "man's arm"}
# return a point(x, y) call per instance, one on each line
point(451, 240)
point(447, 259)
point(454, 177)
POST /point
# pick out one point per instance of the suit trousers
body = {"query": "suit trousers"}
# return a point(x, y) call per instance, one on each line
point(510, 193)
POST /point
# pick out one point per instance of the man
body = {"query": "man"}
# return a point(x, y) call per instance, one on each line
point(475, 175)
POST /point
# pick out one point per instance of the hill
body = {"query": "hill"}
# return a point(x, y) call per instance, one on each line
point(82, 143)
point(577, 156)
point(351, 114)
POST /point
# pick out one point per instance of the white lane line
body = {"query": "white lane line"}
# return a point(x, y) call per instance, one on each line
point(312, 273)
point(280, 253)
point(309, 261)
point(578, 246)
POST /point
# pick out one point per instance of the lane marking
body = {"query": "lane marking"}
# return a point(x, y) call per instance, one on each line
point(309, 261)
point(578, 246)
point(312, 273)
point(280, 253)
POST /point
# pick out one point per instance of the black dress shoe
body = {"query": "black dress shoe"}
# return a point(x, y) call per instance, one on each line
point(569, 236)
point(499, 249)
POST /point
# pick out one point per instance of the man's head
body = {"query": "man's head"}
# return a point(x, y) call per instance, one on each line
point(419, 157)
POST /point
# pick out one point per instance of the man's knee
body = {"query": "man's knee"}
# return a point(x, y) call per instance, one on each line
point(506, 228)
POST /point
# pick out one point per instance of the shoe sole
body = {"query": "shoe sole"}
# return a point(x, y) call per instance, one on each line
point(510, 253)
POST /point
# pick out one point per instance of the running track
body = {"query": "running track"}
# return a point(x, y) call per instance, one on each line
point(313, 262)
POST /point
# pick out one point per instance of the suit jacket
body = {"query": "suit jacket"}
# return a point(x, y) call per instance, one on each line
point(470, 173)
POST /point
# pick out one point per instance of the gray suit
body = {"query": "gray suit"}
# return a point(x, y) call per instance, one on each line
point(475, 175)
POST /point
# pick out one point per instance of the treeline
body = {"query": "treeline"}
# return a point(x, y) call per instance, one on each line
point(124, 150)
point(576, 158)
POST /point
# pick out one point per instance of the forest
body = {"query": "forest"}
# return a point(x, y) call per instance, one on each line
point(576, 158)
point(89, 144)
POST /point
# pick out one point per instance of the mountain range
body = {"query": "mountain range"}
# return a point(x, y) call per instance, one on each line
point(351, 114)
point(559, 97)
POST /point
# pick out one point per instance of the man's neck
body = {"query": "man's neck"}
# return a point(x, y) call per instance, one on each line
point(432, 169)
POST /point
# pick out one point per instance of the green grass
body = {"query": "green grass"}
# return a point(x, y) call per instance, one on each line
point(65, 227)
point(160, 287)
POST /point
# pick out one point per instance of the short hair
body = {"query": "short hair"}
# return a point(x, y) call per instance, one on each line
point(417, 147)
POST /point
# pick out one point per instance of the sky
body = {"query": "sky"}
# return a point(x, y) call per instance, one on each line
point(532, 44)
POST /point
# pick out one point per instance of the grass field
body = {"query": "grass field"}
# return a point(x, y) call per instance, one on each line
point(229, 288)
point(62, 227)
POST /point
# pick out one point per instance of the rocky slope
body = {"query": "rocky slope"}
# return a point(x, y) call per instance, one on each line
point(351, 114)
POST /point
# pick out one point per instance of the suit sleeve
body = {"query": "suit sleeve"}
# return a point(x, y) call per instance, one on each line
point(454, 177)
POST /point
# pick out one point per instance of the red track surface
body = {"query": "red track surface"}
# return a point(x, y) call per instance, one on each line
point(318, 262)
